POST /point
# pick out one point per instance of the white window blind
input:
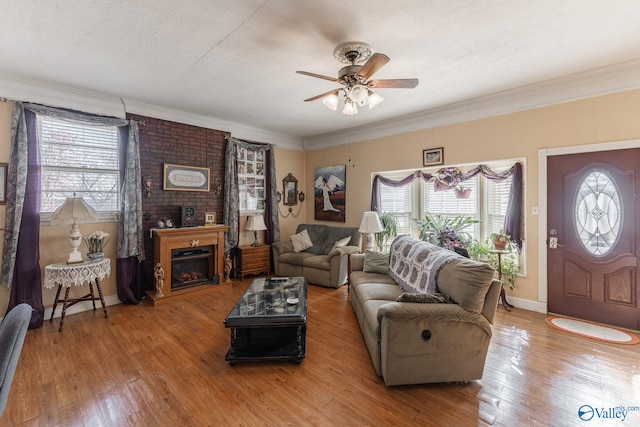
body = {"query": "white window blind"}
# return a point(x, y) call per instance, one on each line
point(81, 159)
point(398, 201)
point(497, 200)
point(446, 203)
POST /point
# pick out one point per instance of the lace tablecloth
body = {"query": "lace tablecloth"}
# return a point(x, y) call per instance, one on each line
point(80, 274)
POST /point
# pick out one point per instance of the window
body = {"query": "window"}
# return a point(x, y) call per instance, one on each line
point(78, 158)
point(447, 203)
point(251, 183)
point(487, 203)
point(497, 200)
point(398, 201)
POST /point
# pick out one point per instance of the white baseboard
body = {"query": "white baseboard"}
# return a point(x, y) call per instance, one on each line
point(527, 304)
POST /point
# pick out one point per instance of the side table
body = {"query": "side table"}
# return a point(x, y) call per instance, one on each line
point(503, 296)
point(253, 260)
point(66, 275)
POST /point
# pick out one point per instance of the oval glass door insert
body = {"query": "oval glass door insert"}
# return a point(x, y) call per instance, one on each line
point(598, 213)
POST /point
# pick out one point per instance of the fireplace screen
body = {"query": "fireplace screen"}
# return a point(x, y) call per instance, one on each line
point(191, 267)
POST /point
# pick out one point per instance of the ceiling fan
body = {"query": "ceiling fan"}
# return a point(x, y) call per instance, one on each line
point(363, 63)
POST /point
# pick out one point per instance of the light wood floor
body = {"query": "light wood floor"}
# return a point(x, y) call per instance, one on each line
point(164, 366)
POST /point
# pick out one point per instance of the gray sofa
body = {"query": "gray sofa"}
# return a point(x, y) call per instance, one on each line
point(414, 343)
point(320, 264)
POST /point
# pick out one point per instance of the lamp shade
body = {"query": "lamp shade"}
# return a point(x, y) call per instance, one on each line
point(374, 99)
point(255, 223)
point(350, 108)
point(331, 101)
point(74, 210)
point(370, 223)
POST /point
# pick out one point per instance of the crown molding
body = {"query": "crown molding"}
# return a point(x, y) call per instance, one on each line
point(237, 130)
point(37, 92)
point(17, 89)
point(598, 81)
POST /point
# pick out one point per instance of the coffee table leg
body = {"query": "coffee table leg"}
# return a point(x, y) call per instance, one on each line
point(232, 349)
point(299, 344)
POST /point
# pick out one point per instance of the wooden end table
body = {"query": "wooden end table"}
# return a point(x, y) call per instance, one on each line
point(67, 275)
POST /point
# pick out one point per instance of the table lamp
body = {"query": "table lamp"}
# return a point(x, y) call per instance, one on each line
point(74, 211)
point(255, 223)
point(370, 225)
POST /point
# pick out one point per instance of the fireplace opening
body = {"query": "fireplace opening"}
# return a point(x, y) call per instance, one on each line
point(192, 267)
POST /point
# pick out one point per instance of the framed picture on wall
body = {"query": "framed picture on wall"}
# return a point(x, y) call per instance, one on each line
point(433, 157)
point(3, 183)
point(330, 193)
point(185, 178)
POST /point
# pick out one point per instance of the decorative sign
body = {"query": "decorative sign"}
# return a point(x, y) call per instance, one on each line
point(185, 178)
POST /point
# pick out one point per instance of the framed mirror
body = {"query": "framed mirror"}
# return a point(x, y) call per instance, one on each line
point(289, 190)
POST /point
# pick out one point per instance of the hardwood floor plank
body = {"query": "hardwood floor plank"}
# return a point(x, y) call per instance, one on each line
point(164, 365)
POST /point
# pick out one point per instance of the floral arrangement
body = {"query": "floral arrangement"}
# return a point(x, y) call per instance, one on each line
point(96, 241)
point(448, 239)
point(449, 177)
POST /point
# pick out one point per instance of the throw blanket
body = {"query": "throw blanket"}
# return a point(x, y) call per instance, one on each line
point(414, 264)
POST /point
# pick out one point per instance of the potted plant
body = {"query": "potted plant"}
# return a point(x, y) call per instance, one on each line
point(500, 240)
point(96, 243)
point(390, 230)
point(481, 251)
point(462, 191)
point(445, 231)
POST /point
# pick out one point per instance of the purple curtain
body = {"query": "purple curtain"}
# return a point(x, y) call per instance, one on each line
point(231, 208)
point(26, 285)
point(130, 281)
point(513, 217)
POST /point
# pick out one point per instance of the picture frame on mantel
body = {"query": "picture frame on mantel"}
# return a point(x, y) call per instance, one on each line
point(186, 178)
point(433, 157)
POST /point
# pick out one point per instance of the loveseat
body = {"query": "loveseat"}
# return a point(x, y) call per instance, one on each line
point(443, 339)
point(325, 262)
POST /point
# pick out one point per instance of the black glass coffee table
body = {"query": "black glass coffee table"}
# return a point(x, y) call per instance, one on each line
point(269, 322)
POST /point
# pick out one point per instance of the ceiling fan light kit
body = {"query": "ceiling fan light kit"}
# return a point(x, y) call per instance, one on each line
point(355, 78)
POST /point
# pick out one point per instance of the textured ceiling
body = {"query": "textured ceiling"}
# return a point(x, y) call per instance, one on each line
point(235, 61)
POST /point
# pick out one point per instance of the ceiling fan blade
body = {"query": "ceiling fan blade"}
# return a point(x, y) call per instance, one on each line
point(322, 95)
point(331, 79)
point(393, 83)
point(377, 61)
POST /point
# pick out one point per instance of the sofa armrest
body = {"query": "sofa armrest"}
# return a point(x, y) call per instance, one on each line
point(357, 262)
point(343, 250)
point(409, 312)
point(277, 249)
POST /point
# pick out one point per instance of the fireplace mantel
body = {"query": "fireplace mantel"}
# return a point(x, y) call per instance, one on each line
point(167, 239)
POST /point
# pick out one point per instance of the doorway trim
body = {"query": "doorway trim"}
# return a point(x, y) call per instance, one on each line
point(543, 154)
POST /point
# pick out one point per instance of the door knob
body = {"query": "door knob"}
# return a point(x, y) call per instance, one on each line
point(553, 243)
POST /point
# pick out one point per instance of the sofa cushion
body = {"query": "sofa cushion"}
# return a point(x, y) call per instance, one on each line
point(466, 282)
point(420, 298)
point(376, 262)
point(296, 258)
point(325, 236)
point(378, 291)
point(301, 241)
point(317, 261)
point(342, 242)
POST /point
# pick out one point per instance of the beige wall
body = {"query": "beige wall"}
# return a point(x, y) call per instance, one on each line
point(518, 135)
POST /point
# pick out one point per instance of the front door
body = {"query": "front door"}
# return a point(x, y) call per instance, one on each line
point(592, 239)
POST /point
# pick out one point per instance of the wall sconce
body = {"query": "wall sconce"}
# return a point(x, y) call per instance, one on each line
point(217, 186)
point(146, 186)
